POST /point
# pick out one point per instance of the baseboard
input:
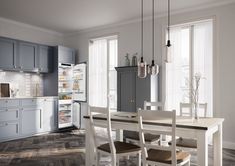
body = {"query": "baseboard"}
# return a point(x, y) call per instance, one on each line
point(229, 145)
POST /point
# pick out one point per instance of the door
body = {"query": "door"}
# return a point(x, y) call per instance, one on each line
point(79, 82)
point(48, 115)
point(27, 56)
point(7, 53)
point(31, 120)
point(127, 91)
point(44, 59)
point(76, 114)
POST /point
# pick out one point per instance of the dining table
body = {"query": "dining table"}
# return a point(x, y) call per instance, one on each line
point(201, 129)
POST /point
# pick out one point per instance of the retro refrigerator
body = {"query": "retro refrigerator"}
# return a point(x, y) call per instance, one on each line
point(72, 91)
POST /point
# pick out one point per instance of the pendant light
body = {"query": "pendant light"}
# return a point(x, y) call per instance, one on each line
point(168, 44)
point(153, 69)
point(142, 65)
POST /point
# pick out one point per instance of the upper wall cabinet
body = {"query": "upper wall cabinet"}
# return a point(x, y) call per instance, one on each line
point(18, 55)
point(66, 55)
point(7, 54)
point(44, 59)
point(27, 56)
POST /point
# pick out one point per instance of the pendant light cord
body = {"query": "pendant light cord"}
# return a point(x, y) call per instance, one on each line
point(168, 28)
point(153, 32)
point(142, 29)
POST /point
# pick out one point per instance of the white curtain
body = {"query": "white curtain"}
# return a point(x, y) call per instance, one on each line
point(98, 73)
point(203, 62)
point(191, 53)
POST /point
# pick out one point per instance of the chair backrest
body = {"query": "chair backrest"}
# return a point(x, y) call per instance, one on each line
point(153, 105)
point(186, 109)
point(104, 112)
point(152, 115)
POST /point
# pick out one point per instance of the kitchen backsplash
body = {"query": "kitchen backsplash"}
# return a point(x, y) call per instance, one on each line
point(23, 84)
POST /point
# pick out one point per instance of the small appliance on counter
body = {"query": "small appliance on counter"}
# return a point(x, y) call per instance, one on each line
point(4, 90)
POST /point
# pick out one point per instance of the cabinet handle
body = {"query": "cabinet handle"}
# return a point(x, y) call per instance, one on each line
point(6, 110)
point(6, 124)
point(40, 118)
point(6, 101)
point(17, 130)
point(17, 114)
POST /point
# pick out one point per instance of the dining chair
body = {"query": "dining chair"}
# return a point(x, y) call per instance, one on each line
point(115, 149)
point(133, 136)
point(186, 110)
point(160, 155)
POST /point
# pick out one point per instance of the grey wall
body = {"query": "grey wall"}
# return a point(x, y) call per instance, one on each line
point(224, 81)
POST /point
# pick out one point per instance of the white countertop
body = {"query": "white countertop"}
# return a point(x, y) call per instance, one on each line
point(27, 97)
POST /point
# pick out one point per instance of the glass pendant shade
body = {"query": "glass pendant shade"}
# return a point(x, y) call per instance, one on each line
point(142, 68)
point(153, 69)
point(168, 52)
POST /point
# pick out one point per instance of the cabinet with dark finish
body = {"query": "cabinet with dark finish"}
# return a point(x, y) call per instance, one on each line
point(44, 59)
point(131, 90)
point(27, 56)
point(7, 54)
point(66, 55)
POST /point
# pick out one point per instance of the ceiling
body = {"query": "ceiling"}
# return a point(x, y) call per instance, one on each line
point(66, 16)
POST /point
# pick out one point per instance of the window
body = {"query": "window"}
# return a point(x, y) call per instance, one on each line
point(192, 52)
point(102, 74)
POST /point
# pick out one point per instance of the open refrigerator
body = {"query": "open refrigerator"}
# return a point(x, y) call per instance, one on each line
point(72, 91)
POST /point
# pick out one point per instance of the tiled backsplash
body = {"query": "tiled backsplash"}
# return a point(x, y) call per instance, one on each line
point(24, 84)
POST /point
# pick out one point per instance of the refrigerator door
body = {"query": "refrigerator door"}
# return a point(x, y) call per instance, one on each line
point(76, 114)
point(79, 82)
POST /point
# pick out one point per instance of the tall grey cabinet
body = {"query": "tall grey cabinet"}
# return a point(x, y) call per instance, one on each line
point(131, 90)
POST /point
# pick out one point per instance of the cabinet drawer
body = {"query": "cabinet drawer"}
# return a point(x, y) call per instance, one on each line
point(9, 114)
point(9, 130)
point(31, 102)
point(9, 103)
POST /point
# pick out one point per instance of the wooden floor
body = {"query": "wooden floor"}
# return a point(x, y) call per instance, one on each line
point(66, 149)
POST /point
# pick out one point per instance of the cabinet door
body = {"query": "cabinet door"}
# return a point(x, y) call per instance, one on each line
point(31, 120)
point(76, 115)
point(7, 54)
point(126, 94)
point(66, 55)
point(143, 91)
point(9, 130)
point(27, 56)
point(44, 59)
point(49, 115)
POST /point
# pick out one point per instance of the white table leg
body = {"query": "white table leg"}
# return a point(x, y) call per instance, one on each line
point(217, 146)
point(119, 135)
point(202, 148)
point(90, 156)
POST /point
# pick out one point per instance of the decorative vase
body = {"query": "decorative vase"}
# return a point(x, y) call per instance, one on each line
point(195, 111)
point(127, 60)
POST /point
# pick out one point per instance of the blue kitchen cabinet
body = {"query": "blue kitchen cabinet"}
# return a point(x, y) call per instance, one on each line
point(44, 59)
point(8, 49)
point(27, 56)
point(66, 55)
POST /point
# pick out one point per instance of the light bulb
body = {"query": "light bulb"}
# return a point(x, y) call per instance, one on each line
point(142, 68)
point(168, 52)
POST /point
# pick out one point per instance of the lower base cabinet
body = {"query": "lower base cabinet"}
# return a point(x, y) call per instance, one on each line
point(27, 118)
point(9, 130)
point(31, 121)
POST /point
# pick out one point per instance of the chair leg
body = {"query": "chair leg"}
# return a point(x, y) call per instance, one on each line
point(113, 162)
point(139, 159)
point(97, 159)
point(117, 160)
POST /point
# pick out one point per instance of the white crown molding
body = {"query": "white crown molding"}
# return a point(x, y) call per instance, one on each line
point(179, 11)
point(31, 27)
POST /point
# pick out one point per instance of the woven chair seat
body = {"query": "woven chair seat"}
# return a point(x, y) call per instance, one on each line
point(165, 156)
point(121, 147)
